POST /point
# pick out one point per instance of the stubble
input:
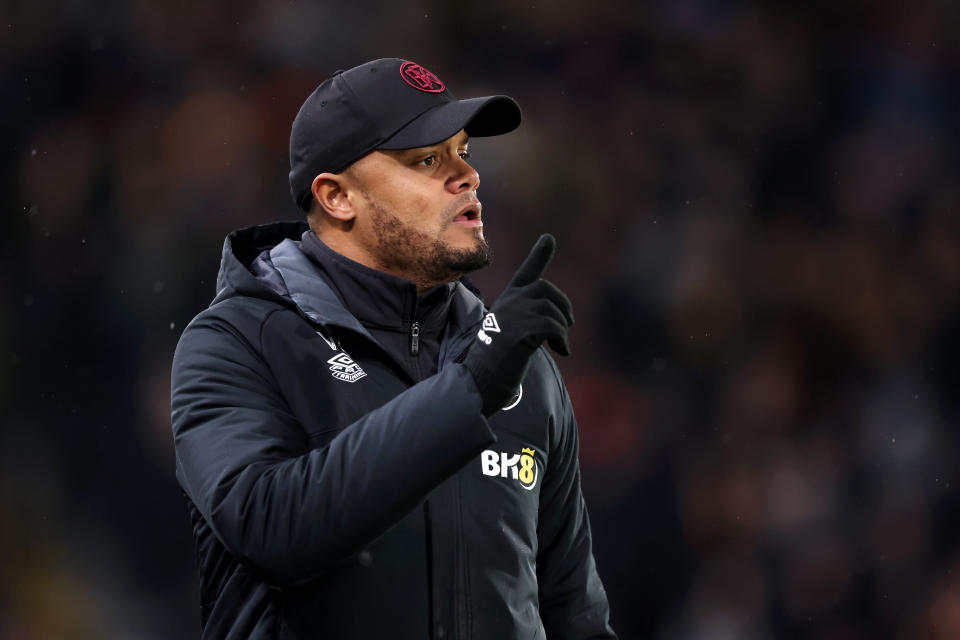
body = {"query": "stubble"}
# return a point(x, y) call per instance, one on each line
point(422, 259)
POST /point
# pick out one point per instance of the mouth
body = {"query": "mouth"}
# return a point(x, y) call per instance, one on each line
point(469, 215)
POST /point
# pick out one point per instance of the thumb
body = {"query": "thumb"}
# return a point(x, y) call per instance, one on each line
point(536, 262)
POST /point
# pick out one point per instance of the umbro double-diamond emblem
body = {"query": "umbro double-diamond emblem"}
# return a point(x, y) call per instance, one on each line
point(344, 368)
point(489, 326)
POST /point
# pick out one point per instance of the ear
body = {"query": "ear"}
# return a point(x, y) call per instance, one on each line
point(330, 190)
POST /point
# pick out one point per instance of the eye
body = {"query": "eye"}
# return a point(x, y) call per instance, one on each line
point(465, 155)
point(429, 161)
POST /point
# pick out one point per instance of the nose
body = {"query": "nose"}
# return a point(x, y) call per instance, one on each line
point(464, 177)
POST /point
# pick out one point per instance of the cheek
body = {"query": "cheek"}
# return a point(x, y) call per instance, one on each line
point(414, 204)
point(420, 212)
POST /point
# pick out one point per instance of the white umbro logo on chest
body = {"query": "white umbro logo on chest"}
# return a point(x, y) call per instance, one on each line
point(342, 366)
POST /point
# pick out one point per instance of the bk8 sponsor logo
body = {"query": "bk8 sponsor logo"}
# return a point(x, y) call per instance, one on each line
point(522, 467)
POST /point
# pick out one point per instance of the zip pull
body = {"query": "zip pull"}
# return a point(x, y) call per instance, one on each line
point(415, 338)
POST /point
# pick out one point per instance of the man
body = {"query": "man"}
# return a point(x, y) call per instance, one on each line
point(367, 452)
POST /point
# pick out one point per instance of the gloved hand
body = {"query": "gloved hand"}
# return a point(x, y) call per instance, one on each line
point(529, 311)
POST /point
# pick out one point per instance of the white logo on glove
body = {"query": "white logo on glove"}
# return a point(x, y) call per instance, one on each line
point(489, 325)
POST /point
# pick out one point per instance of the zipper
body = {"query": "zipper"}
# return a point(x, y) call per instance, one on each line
point(415, 338)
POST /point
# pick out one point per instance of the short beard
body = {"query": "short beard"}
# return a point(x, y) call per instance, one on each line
point(414, 255)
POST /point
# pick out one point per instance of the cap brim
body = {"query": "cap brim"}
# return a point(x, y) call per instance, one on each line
point(489, 116)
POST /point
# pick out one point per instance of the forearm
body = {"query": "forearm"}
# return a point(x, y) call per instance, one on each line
point(292, 518)
point(288, 510)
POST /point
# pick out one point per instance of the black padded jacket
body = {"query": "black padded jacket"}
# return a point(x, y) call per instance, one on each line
point(333, 496)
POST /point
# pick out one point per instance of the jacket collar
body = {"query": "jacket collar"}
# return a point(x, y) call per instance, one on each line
point(312, 296)
point(377, 298)
point(265, 261)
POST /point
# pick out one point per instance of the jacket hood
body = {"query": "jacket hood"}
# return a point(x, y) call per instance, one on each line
point(265, 261)
point(241, 248)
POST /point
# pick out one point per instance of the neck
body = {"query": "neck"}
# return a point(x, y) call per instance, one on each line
point(343, 243)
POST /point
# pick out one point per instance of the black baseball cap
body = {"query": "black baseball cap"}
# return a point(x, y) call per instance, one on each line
point(388, 103)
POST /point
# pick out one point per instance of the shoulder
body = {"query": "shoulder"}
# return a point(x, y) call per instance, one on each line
point(238, 317)
point(240, 310)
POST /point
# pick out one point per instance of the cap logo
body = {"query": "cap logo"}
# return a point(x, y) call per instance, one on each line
point(420, 78)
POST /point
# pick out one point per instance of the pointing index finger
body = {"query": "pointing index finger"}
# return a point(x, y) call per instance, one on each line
point(535, 263)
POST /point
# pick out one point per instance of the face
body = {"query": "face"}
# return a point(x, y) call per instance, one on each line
point(417, 212)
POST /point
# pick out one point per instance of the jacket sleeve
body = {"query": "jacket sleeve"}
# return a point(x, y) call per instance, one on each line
point(573, 602)
point(285, 509)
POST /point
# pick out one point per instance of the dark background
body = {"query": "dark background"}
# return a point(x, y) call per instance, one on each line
point(757, 213)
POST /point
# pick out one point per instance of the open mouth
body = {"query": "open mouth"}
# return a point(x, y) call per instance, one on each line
point(470, 213)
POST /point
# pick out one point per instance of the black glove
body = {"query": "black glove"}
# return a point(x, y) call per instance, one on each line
point(529, 311)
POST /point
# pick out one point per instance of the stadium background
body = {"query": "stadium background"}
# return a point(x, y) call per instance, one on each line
point(757, 213)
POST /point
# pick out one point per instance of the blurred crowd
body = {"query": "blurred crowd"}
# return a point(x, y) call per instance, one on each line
point(758, 216)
